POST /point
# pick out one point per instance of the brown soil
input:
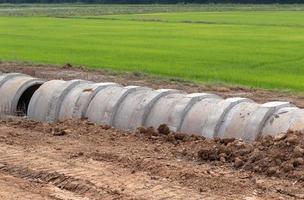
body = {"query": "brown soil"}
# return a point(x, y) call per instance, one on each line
point(280, 156)
point(68, 72)
point(80, 160)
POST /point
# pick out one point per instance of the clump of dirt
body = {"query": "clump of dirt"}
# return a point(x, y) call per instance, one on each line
point(67, 66)
point(60, 132)
point(163, 129)
point(163, 132)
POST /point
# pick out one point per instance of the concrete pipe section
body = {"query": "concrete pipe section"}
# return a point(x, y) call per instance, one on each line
point(133, 111)
point(172, 109)
point(247, 119)
point(46, 102)
point(284, 119)
point(104, 106)
point(16, 90)
point(206, 116)
point(76, 102)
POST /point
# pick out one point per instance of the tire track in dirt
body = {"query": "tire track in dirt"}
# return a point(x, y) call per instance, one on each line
point(46, 177)
point(13, 188)
point(92, 177)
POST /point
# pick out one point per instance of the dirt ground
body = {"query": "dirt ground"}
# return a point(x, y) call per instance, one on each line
point(80, 160)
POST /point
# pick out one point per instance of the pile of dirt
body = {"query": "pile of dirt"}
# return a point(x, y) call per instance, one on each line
point(281, 156)
point(278, 156)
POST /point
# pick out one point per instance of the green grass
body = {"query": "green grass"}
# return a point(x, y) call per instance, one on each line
point(250, 48)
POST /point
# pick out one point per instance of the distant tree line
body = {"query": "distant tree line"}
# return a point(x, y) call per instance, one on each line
point(156, 1)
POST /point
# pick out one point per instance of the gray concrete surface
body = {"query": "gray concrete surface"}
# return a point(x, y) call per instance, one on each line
point(12, 87)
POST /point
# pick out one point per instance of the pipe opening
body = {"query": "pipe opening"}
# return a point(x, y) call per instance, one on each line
point(25, 98)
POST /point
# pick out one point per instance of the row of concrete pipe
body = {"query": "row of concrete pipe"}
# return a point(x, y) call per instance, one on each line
point(131, 107)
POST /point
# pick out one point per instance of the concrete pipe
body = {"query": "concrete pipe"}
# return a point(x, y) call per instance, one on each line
point(133, 106)
point(284, 119)
point(133, 111)
point(47, 100)
point(104, 106)
point(247, 119)
point(206, 116)
point(76, 102)
point(172, 109)
point(16, 91)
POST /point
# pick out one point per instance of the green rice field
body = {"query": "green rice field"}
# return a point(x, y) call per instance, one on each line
point(254, 46)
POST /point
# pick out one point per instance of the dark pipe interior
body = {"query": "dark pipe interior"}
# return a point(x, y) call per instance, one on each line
point(25, 99)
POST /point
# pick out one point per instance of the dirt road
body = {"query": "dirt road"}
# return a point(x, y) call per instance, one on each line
point(79, 160)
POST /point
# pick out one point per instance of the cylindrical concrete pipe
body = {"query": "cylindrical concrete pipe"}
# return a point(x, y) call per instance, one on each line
point(104, 106)
point(284, 119)
point(200, 113)
point(47, 100)
point(76, 102)
point(16, 91)
point(130, 107)
point(247, 119)
point(172, 109)
point(206, 116)
point(133, 111)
